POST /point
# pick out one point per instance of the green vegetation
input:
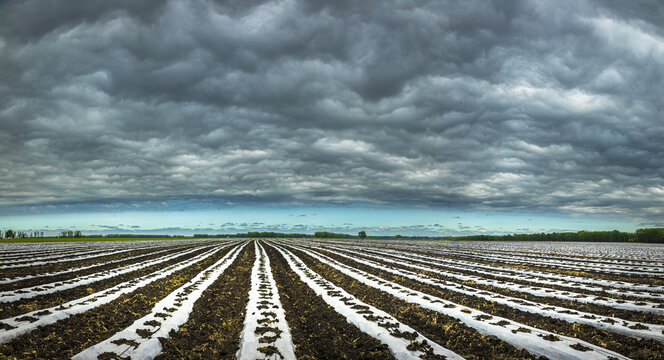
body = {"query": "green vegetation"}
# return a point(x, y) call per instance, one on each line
point(71, 234)
point(331, 235)
point(269, 234)
point(252, 234)
point(10, 234)
point(641, 235)
point(139, 236)
point(89, 238)
point(652, 235)
point(581, 236)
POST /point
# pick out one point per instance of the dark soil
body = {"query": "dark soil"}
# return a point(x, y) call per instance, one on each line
point(444, 330)
point(631, 347)
point(49, 300)
point(639, 279)
point(46, 268)
point(318, 331)
point(574, 305)
point(215, 324)
point(67, 276)
point(528, 281)
point(68, 337)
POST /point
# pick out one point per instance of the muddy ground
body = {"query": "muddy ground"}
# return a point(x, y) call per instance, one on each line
point(216, 322)
point(49, 300)
point(442, 329)
point(67, 337)
point(95, 269)
point(632, 347)
point(551, 301)
point(318, 331)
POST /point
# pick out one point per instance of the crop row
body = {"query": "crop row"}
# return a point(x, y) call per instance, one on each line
point(285, 299)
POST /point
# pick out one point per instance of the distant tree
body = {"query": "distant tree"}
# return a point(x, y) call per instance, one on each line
point(652, 235)
point(9, 234)
point(78, 234)
point(397, 236)
point(362, 235)
point(41, 234)
point(70, 234)
point(330, 235)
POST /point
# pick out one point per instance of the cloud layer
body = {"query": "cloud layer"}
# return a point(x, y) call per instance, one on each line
point(517, 105)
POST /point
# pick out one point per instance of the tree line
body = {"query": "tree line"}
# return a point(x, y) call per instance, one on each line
point(11, 234)
point(650, 235)
point(270, 234)
point(646, 235)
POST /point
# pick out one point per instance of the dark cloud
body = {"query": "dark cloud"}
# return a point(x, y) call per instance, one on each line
point(521, 105)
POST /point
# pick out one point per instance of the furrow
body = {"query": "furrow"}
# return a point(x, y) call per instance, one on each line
point(536, 290)
point(536, 341)
point(540, 276)
point(616, 325)
point(141, 339)
point(25, 293)
point(95, 254)
point(78, 269)
point(403, 341)
point(18, 325)
point(266, 334)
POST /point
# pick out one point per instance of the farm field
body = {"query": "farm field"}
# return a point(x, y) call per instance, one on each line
point(331, 299)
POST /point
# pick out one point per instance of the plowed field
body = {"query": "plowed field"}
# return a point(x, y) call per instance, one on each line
point(332, 299)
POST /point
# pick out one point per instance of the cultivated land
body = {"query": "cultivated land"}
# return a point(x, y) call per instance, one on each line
point(334, 299)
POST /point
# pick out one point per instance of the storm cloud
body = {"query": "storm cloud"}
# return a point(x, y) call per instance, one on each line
point(517, 105)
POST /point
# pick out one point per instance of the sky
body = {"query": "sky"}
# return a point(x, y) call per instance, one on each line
point(395, 117)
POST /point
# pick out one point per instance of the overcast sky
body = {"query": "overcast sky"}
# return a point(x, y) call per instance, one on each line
point(552, 109)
